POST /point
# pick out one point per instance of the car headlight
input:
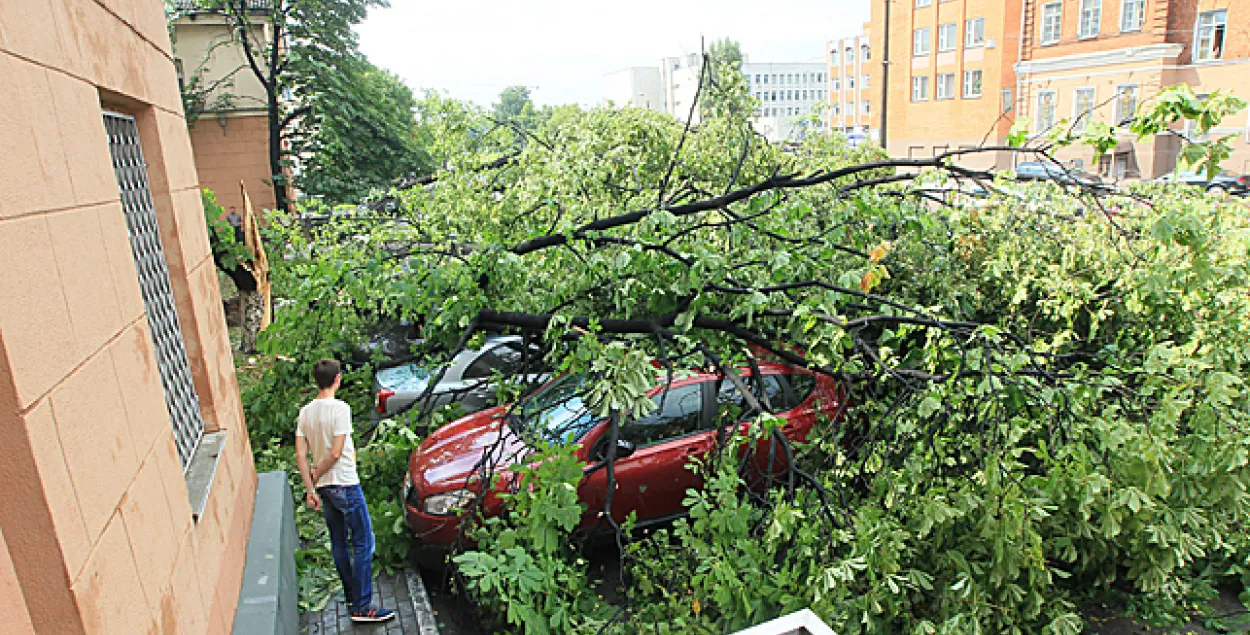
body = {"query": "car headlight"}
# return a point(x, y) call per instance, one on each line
point(447, 503)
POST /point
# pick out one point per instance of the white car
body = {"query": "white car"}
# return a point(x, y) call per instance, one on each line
point(468, 379)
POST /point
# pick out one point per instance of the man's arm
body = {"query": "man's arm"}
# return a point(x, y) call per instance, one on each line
point(331, 457)
point(310, 483)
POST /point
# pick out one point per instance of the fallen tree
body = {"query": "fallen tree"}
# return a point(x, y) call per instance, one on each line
point(1048, 404)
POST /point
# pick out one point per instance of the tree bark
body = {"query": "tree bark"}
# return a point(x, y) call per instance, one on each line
point(253, 307)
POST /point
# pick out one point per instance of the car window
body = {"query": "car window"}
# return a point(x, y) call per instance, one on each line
point(730, 402)
point(802, 386)
point(481, 367)
point(682, 414)
point(513, 357)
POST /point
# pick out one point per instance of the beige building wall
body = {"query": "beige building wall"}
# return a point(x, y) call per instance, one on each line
point(95, 520)
point(921, 126)
point(231, 138)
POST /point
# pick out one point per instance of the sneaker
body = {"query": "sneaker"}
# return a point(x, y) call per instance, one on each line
point(373, 614)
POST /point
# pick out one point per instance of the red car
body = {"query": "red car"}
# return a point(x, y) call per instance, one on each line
point(652, 451)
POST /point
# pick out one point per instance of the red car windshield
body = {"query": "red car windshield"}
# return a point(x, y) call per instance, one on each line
point(557, 412)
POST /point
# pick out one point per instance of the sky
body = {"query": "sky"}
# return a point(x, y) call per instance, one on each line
point(561, 49)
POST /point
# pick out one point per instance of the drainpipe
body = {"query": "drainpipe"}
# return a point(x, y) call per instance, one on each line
point(1019, 96)
point(885, 75)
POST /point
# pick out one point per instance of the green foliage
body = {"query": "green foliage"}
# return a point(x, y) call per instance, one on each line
point(725, 90)
point(523, 567)
point(1048, 403)
point(228, 252)
point(364, 135)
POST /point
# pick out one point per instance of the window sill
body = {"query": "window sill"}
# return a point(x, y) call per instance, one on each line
point(972, 96)
point(1084, 38)
point(202, 469)
point(1051, 43)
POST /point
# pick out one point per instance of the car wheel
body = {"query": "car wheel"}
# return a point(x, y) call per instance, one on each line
point(1217, 190)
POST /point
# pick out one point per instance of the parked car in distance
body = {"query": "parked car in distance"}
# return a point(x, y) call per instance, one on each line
point(468, 379)
point(1046, 171)
point(1224, 181)
point(391, 343)
point(653, 451)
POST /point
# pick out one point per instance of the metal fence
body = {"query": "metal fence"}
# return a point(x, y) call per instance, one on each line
point(153, 270)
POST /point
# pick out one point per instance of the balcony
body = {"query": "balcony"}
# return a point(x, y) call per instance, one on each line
point(211, 6)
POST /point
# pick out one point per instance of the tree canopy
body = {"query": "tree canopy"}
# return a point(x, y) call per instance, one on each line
point(363, 137)
point(1046, 381)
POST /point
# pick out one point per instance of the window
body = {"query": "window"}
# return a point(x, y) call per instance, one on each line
point(920, 42)
point(681, 414)
point(1125, 103)
point(833, 57)
point(1045, 111)
point(1052, 22)
point(765, 79)
point(805, 95)
point(782, 395)
point(820, 77)
point(1082, 108)
point(974, 32)
point(946, 86)
point(837, 107)
point(972, 84)
point(946, 37)
point(919, 88)
point(1008, 103)
point(1210, 38)
point(152, 269)
point(850, 83)
point(865, 108)
point(1091, 19)
point(850, 55)
point(923, 3)
point(774, 96)
point(863, 53)
point(757, 78)
point(863, 81)
point(837, 85)
point(1132, 15)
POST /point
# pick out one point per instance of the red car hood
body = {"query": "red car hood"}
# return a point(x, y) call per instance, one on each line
point(454, 452)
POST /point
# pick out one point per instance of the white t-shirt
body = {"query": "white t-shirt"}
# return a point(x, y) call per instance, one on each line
point(319, 422)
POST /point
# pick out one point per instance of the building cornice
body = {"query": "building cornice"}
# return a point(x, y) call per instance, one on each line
point(1101, 58)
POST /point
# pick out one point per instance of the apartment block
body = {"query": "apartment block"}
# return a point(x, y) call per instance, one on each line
point(948, 74)
point(853, 87)
point(1085, 60)
point(789, 95)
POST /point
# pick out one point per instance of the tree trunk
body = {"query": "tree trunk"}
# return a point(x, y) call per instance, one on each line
point(275, 152)
point(253, 312)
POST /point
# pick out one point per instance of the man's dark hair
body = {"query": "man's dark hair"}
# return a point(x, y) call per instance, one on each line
point(324, 371)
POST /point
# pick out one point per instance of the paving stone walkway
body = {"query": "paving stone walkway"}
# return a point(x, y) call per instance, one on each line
point(401, 592)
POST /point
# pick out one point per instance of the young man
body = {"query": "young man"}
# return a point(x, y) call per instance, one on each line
point(325, 429)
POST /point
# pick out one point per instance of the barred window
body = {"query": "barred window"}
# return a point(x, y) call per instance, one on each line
point(153, 271)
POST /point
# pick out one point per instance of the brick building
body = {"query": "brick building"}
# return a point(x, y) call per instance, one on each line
point(1101, 59)
point(948, 75)
point(960, 72)
point(128, 476)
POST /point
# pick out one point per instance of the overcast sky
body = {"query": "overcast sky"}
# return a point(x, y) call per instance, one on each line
point(561, 49)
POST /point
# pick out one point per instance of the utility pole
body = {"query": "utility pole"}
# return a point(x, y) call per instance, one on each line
point(885, 74)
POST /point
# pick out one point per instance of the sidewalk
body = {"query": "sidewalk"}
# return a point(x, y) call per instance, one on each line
point(402, 593)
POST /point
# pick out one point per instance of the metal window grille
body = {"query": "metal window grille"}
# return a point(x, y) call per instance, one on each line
point(153, 271)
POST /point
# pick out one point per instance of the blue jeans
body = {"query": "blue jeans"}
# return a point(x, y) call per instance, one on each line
point(347, 516)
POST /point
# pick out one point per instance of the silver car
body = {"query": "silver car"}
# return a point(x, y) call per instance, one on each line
point(467, 381)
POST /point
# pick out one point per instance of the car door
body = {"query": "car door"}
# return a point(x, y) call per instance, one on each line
point(653, 480)
point(776, 391)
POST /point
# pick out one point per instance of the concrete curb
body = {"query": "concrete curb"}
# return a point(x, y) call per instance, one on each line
point(427, 622)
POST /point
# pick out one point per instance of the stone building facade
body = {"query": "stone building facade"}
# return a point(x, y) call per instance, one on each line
point(129, 479)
